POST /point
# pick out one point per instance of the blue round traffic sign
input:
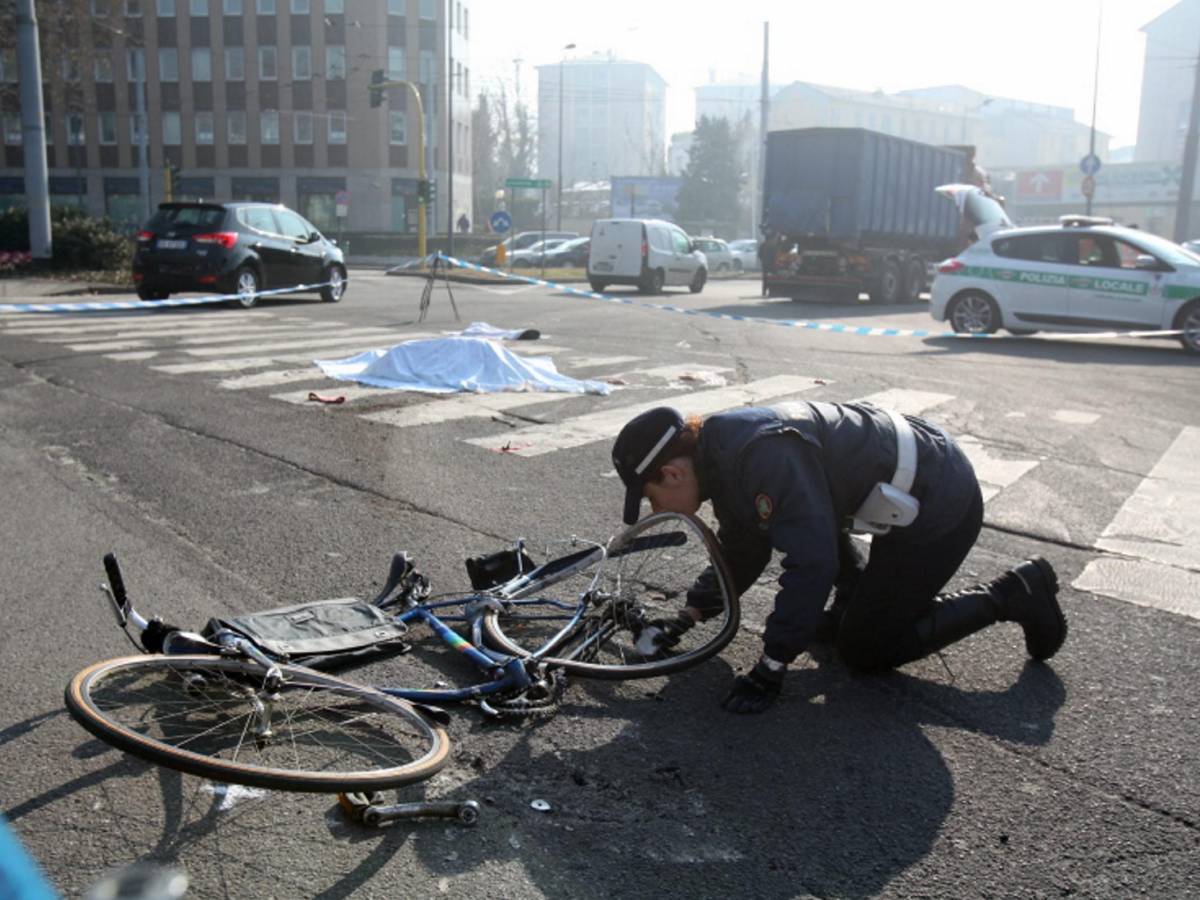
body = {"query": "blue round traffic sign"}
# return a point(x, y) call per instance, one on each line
point(501, 221)
point(1090, 164)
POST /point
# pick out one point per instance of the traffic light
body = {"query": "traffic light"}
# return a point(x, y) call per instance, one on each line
point(170, 179)
point(378, 77)
point(426, 191)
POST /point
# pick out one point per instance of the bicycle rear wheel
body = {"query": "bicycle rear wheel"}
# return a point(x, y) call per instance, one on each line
point(213, 717)
point(650, 573)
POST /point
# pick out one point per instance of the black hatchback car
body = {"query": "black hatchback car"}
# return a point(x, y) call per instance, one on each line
point(234, 248)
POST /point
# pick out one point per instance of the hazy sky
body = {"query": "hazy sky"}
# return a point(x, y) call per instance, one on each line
point(1038, 50)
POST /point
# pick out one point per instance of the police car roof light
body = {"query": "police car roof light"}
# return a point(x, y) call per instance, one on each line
point(1077, 221)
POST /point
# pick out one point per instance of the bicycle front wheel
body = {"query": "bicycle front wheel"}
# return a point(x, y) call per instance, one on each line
point(654, 569)
point(216, 718)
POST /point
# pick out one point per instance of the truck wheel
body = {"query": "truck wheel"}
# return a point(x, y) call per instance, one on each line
point(914, 281)
point(890, 284)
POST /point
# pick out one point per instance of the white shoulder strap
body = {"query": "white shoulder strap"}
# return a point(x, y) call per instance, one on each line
point(906, 452)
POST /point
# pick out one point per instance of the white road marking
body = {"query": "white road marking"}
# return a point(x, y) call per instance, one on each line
point(1143, 583)
point(101, 322)
point(589, 362)
point(132, 355)
point(1160, 521)
point(467, 406)
point(341, 388)
point(906, 402)
point(380, 336)
point(197, 333)
point(994, 473)
point(270, 379)
point(536, 440)
point(1074, 417)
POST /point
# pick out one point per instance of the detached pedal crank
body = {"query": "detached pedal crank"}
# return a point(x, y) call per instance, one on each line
point(369, 809)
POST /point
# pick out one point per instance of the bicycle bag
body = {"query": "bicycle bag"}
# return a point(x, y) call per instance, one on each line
point(497, 568)
point(323, 634)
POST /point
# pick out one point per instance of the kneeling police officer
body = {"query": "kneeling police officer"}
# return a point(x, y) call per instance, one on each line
point(799, 479)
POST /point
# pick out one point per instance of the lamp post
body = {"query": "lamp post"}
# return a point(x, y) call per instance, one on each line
point(560, 134)
point(415, 93)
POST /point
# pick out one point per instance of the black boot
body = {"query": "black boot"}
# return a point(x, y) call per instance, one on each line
point(1027, 595)
point(953, 618)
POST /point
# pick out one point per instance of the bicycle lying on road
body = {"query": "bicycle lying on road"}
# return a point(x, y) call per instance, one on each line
point(246, 702)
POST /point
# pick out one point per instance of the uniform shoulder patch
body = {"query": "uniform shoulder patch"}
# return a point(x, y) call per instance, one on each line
point(763, 506)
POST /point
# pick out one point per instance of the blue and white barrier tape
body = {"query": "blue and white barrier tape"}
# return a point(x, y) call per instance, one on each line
point(107, 305)
point(836, 328)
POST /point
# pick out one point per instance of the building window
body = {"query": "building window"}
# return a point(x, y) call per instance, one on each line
point(100, 9)
point(266, 64)
point(466, 82)
point(75, 135)
point(12, 129)
point(335, 62)
point(165, 8)
point(102, 69)
point(48, 130)
point(269, 123)
point(396, 68)
point(300, 6)
point(302, 62)
point(235, 124)
point(232, 7)
point(172, 130)
point(8, 65)
point(337, 127)
point(133, 8)
point(137, 127)
point(199, 7)
point(399, 130)
point(302, 130)
point(235, 64)
point(265, 7)
point(466, 23)
point(428, 9)
point(71, 69)
point(108, 128)
point(168, 64)
point(335, 6)
point(204, 128)
point(425, 73)
point(135, 63)
point(201, 64)
point(397, 7)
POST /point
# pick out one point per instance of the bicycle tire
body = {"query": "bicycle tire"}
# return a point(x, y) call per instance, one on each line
point(649, 570)
point(151, 706)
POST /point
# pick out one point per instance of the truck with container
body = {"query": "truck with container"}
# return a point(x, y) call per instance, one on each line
point(848, 211)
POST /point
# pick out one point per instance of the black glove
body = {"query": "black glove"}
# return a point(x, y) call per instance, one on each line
point(668, 633)
point(754, 692)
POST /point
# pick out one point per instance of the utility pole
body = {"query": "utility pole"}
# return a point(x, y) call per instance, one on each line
point(1187, 182)
point(763, 120)
point(143, 137)
point(450, 87)
point(560, 133)
point(33, 131)
point(1095, 97)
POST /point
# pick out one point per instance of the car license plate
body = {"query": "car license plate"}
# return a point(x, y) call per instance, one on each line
point(603, 266)
point(164, 244)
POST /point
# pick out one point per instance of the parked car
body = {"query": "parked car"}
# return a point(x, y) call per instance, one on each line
point(716, 251)
point(234, 248)
point(531, 257)
point(648, 253)
point(522, 241)
point(1085, 274)
point(570, 254)
point(745, 255)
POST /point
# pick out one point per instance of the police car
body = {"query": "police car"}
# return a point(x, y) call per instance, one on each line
point(1085, 274)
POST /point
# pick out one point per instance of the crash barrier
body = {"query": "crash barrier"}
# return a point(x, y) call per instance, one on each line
point(835, 328)
point(108, 305)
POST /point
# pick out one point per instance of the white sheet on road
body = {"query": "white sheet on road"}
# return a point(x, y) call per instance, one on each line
point(453, 364)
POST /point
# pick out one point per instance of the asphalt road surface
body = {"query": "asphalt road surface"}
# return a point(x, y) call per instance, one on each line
point(184, 441)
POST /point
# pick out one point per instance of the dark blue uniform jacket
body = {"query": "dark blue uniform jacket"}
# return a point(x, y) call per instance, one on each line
point(791, 477)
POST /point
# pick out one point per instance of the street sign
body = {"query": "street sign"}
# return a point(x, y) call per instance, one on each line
point(501, 221)
point(1088, 186)
point(1090, 164)
point(1040, 184)
point(527, 182)
point(342, 202)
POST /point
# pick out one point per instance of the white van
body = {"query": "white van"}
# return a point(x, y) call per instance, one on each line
point(648, 253)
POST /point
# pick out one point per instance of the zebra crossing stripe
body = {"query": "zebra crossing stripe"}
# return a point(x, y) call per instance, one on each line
point(98, 306)
point(540, 439)
point(907, 402)
point(472, 406)
point(74, 326)
point(362, 336)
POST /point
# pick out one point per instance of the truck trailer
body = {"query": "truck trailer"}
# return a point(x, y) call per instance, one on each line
point(847, 211)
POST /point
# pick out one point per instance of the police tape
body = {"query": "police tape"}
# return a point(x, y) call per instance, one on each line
point(109, 305)
point(834, 328)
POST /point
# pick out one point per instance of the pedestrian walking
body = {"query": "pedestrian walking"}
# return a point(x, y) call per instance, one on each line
point(800, 479)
